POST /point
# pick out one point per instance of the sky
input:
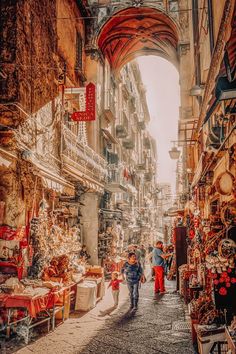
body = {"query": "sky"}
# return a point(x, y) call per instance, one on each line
point(161, 80)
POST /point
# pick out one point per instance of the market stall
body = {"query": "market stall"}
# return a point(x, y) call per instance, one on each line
point(208, 279)
point(41, 269)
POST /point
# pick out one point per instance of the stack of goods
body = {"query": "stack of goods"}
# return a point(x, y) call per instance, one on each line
point(203, 311)
point(12, 285)
point(86, 296)
point(58, 270)
point(14, 251)
point(28, 287)
point(104, 244)
point(184, 273)
point(50, 239)
point(221, 266)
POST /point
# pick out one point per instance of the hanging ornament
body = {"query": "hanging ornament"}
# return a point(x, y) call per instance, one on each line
point(223, 291)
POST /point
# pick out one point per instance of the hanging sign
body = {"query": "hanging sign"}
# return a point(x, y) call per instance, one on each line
point(89, 113)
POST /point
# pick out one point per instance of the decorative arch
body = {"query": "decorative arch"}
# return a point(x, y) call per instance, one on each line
point(138, 31)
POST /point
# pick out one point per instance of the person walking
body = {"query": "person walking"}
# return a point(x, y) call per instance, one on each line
point(133, 273)
point(137, 253)
point(115, 286)
point(150, 248)
point(142, 256)
point(158, 262)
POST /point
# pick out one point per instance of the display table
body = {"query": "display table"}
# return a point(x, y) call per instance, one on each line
point(231, 343)
point(33, 306)
point(209, 339)
point(37, 309)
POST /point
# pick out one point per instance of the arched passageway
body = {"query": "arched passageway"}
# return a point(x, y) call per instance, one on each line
point(138, 31)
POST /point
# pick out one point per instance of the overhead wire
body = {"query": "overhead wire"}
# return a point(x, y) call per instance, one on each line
point(154, 12)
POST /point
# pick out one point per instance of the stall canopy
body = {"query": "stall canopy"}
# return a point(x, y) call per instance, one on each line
point(6, 158)
point(52, 180)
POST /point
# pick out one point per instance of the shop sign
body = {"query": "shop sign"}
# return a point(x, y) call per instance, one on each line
point(89, 113)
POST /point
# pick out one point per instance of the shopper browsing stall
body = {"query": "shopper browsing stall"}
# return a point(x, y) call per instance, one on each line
point(158, 262)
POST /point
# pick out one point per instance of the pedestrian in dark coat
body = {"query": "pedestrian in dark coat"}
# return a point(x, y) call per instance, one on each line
point(133, 273)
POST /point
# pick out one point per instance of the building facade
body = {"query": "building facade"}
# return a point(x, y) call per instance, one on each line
point(210, 152)
point(77, 177)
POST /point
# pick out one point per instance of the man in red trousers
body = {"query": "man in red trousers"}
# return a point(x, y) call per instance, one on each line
point(158, 263)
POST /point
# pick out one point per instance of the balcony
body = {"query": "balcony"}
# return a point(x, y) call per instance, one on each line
point(142, 125)
point(129, 144)
point(115, 181)
point(121, 131)
point(147, 143)
point(148, 176)
point(109, 106)
point(132, 104)
point(79, 159)
point(123, 200)
point(141, 166)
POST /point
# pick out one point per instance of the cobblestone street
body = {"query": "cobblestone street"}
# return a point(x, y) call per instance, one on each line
point(159, 326)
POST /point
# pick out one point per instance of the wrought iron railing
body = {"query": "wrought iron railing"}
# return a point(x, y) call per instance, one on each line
point(82, 154)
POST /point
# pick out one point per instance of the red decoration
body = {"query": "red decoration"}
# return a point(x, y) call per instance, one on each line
point(191, 234)
point(228, 285)
point(229, 270)
point(224, 275)
point(233, 280)
point(7, 233)
point(89, 114)
point(222, 280)
point(196, 222)
point(223, 291)
point(216, 282)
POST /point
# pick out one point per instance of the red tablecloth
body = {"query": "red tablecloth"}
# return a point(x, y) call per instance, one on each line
point(34, 305)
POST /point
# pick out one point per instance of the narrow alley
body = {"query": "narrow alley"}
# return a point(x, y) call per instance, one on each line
point(160, 325)
point(117, 156)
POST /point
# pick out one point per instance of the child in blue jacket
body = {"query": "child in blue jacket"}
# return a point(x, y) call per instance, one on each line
point(133, 273)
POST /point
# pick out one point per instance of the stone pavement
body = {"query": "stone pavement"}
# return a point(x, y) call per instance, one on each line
point(158, 326)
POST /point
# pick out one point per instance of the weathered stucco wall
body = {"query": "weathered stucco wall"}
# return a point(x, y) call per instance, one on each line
point(37, 45)
point(28, 47)
point(69, 23)
point(19, 189)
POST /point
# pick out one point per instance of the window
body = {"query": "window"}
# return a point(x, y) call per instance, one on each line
point(79, 53)
point(195, 20)
point(211, 29)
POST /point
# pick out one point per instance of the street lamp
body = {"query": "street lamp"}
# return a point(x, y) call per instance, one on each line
point(174, 153)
